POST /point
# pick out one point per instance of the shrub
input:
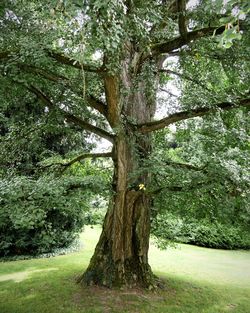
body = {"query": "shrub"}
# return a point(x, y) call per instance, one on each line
point(98, 210)
point(39, 216)
point(169, 228)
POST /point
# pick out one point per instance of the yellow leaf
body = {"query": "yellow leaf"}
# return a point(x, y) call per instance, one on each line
point(142, 187)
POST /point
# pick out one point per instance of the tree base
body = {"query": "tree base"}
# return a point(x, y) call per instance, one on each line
point(120, 259)
point(121, 275)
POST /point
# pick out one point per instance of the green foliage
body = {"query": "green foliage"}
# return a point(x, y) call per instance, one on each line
point(205, 177)
point(38, 216)
point(231, 33)
point(168, 229)
point(27, 137)
point(75, 246)
point(33, 133)
point(203, 186)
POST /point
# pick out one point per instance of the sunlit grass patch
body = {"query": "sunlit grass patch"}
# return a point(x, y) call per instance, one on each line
point(191, 275)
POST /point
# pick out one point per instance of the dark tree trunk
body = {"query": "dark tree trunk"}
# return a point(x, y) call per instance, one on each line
point(121, 255)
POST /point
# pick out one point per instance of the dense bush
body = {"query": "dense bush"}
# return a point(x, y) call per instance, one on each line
point(169, 228)
point(39, 216)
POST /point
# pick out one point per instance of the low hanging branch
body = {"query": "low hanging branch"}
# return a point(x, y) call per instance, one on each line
point(181, 116)
point(70, 117)
point(81, 157)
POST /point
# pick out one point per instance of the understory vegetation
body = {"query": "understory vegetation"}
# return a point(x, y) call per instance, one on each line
point(169, 229)
point(40, 216)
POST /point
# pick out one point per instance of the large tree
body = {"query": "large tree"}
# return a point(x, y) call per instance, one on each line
point(98, 65)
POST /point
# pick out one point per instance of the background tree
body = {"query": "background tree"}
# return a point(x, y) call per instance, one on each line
point(98, 65)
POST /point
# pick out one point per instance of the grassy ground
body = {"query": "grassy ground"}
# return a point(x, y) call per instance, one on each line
point(198, 280)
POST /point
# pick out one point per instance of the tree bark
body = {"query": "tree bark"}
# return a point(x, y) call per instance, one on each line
point(121, 255)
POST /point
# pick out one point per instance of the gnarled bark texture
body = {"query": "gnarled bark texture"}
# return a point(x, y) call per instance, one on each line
point(121, 255)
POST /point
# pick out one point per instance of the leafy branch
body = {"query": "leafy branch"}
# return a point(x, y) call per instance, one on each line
point(60, 58)
point(91, 100)
point(167, 71)
point(63, 59)
point(79, 158)
point(184, 115)
point(68, 116)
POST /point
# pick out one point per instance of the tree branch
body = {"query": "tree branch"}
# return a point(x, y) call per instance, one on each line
point(91, 100)
point(81, 157)
point(167, 91)
point(180, 116)
point(70, 117)
point(181, 7)
point(88, 155)
point(98, 105)
point(178, 42)
point(63, 59)
point(233, 192)
point(185, 77)
point(89, 127)
point(42, 72)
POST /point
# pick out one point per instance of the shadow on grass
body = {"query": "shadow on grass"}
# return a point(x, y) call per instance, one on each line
point(57, 291)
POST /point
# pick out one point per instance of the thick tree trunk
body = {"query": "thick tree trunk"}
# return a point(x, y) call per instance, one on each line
point(121, 255)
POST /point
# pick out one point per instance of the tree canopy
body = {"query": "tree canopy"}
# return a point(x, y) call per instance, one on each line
point(71, 69)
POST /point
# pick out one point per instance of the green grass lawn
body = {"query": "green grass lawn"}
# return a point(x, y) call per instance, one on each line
point(197, 280)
